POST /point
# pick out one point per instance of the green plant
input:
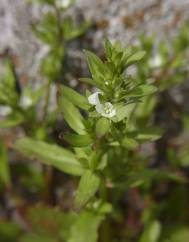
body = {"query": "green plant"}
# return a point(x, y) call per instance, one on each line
point(103, 148)
point(123, 193)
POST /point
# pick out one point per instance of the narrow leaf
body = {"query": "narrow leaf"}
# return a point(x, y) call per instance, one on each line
point(11, 121)
point(88, 186)
point(135, 57)
point(4, 168)
point(149, 134)
point(102, 126)
point(129, 143)
point(85, 226)
point(147, 89)
point(75, 98)
point(87, 80)
point(108, 48)
point(152, 232)
point(54, 155)
point(78, 140)
point(72, 115)
point(95, 64)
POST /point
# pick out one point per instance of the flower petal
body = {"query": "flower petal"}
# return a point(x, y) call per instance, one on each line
point(99, 108)
point(106, 110)
point(94, 99)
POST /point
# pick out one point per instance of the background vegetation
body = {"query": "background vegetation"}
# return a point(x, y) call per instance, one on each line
point(133, 163)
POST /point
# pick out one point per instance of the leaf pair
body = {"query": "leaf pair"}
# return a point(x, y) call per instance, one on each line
point(65, 161)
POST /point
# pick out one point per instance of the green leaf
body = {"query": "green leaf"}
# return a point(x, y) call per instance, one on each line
point(88, 186)
point(46, 29)
point(9, 231)
point(8, 93)
point(78, 140)
point(129, 143)
point(4, 167)
point(123, 111)
point(51, 64)
point(142, 90)
point(147, 89)
point(50, 2)
point(96, 66)
point(102, 126)
point(179, 235)
point(108, 48)
point(85, 227)
point(127, 52)
point(33, 95)
point(135, 57)
point(146, 175)
point(71, 30)
point(87, 80)
point(152, 232)
point(75, 98)
point(72, 115)
point(54, 155)
point(9, 77)
point(149, 134)
point(95, 159)
point(11, 121)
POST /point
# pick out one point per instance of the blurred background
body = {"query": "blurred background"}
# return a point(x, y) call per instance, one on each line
point(41, 46)
point(124, 20)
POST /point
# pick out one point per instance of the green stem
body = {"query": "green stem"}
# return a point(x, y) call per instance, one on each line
point(47, 97)
point(59, 26)
point(105, 232)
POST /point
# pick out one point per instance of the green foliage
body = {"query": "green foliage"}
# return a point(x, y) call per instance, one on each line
point(72, 116)
point(102, 126)
point(8, 94)
point(152, 232)
point(48, 224)
point(9, 231)
point(11, 121)
point(180, 235)
point(75, 98)
point(78, 140)
point(4, 168)
point(86, 226)
point(88, 186)
point(109, 127)
point(60, 158)
point(135, 57)
point(104, 144)
point(56, 31)
point(53, 225)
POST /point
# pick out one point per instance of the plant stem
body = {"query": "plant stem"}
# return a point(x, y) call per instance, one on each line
point(47, 97)
point(105, 232)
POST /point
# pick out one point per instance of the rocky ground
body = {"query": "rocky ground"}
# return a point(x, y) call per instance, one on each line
point(123, 19)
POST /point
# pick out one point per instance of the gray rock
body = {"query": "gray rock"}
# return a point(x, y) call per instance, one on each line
point(123, 20)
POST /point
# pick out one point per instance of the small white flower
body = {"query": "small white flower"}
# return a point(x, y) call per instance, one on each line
point(94, 98)
point(156, 61)
point(106, 110)
point(63, 3)
point(25, 102)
